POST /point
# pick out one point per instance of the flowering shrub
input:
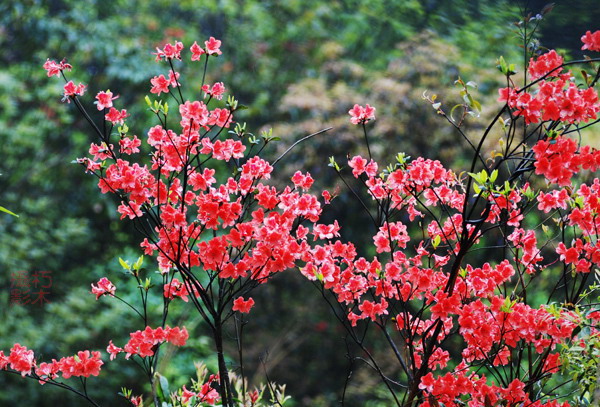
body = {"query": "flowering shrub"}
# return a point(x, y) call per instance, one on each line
point(215, 237)
point(460, 332)
point(472, 333)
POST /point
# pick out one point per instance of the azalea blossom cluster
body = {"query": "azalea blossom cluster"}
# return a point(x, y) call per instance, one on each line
point(144, 343)
point(556, 97)
point(559, 159)
point(193, 201)
point(205, 227)
point(393, 284)
point(22, 360)
point(417, 282)
point(216, 235)
point(206, 395)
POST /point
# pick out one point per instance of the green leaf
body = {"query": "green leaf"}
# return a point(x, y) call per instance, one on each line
point(138, 264)
point(124, 264)
point(481, 177)
point(493, 175)
point(507, 306)
point(436, 241)
point(3, 209)
point(162, 387)
point(232, 103)
point(333, 164)
point(401, 158)
point(501, 65)
point(452, 111)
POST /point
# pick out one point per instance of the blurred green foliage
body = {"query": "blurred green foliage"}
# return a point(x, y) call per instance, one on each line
point(299, 65)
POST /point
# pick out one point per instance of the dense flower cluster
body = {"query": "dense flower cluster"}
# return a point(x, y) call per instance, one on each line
point(559, 100)
point(556, 97)
point(237, 230)
point(560, 158)
point(493, 326)
point(22, 360)
point(144, 343)
point(194, 202)
point(412, 273)
point(549, 64)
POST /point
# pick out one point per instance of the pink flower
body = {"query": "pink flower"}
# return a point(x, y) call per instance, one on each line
point(104, 99)
point(177, 336)
point(590, 41)
point(144, 343)
point(115, 116)
point(48, 371)
point(212, 46)
point(548, 62)
point(113, 350)
point(130, 145)
point(173, 78)
point(359, 114)
point(207, 394)
point(241, 305)
point(170, 51)
point(71, 90)
point(104, 287)
point(3, 360)
point(176, 288)
point(197, 51)
point(303, 181)
point(160, 84)
point(85, 364)
point(217, 90)
point(358, 165)
point(186, 395)
point(54, 68)
point(21, 359)
point(321, 231)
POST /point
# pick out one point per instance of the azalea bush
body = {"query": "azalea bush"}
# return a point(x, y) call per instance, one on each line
point(508, 331)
